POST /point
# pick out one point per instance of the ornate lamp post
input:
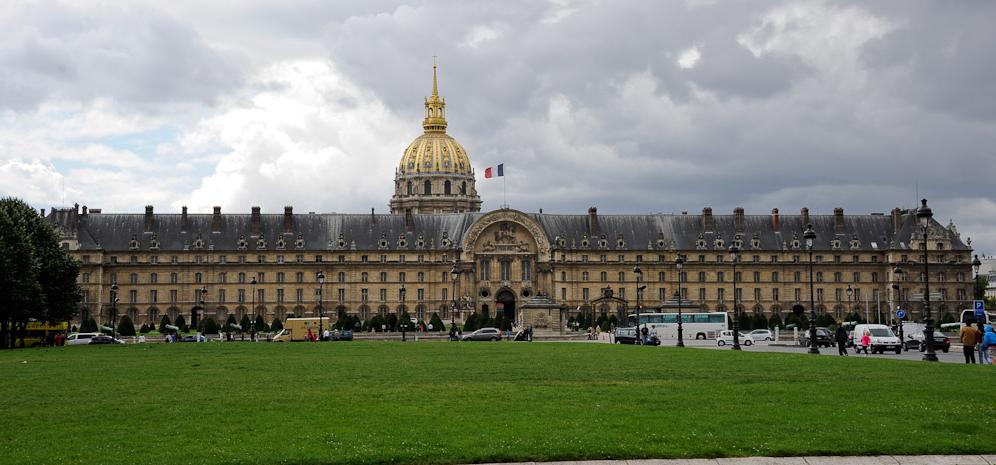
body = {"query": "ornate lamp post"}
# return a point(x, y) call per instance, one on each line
point(850, 292)
point(321, 310)
point(203, 300)
point(924, 215)
point(454, 276)
point(114, 308)
point(252, 322)
point(639, 279)
point(896, 273)
point(678, 262)
point(810, 237)
point(734, 257)
point(403, 324)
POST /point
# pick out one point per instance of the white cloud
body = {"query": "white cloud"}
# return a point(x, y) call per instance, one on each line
point(689, 57)
point(480, 34)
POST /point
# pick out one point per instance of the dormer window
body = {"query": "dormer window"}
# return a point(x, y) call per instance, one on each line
point(340, 242)
point(835, 244)
point(382, 243)
point(620, 242)
point(718, 243)
point(420, 243)
point(855, 243)
point(299, 242)
point(584, 242)
point(198, 243)
point(281, 243)
point(402, 242)
point(602, 242)
point(700, 243)
point(133, 244)
point(261, 242)
point(154, 242)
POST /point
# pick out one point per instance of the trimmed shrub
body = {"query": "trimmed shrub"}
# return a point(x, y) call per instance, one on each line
point(471, 323)
point(163, 322)
point(261, 325)
point(758, 321)
point(126, 327)
point(392, 322)
point(437, 323)
point(88, 326)
point(209, 326)
point(277, 325)
point(245, 323)
point(775, 321)
point(181, 323)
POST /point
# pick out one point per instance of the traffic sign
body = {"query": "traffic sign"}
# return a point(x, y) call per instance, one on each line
point(980, 305)
point(901, 314)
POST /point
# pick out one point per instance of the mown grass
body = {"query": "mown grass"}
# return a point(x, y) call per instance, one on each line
point(388, 402)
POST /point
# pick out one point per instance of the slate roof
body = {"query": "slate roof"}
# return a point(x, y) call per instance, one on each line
point(114, 232)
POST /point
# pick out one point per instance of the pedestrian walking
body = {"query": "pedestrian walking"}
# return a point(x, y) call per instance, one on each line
point(989, 342)
point(841, 338)
point(865, 342)
point(969, 338)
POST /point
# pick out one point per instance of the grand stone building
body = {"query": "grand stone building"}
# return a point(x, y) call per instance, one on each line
point(436, 252)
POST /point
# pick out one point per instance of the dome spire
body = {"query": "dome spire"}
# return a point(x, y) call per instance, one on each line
point(435, 107)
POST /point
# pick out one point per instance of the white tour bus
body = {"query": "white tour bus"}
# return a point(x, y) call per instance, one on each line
point(694, 325)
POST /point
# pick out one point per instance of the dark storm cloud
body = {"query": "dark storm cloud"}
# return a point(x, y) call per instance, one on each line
point(134, 56)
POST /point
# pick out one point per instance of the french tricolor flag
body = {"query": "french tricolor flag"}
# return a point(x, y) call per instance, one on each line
point(490, 171)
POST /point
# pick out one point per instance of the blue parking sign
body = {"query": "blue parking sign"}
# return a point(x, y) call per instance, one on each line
point(980, 310)
point(901, 314)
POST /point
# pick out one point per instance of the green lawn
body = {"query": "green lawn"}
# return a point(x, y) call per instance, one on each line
point(388, 402)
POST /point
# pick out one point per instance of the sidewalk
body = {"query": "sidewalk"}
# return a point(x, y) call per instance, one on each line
point(822, 460)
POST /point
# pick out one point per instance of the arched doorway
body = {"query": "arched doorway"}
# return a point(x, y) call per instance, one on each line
point(506, 305)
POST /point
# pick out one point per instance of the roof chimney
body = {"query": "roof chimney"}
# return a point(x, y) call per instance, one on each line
point(708, 223)
point(897, 220)
point(148, 218)
point(257, 223)
point(84, 210)
point(738, 219)
point(373, 218)
point(775, 226)
point(288, 219)
point(216, 220)
point(183, 218)
point(43, 212)
point(593, 220)
point(838, 220)
point(805, 215)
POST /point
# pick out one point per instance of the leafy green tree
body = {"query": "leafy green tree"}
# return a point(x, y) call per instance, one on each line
point(162, 324)
point(376, 323)
point(209, 326)
point(126, 327)
point(436, 322)
point(37, 277)
point(181, 323)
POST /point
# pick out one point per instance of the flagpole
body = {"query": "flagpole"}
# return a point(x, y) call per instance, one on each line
point(504, 195)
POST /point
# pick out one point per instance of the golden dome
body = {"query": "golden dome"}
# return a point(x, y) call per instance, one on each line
point(435, 151)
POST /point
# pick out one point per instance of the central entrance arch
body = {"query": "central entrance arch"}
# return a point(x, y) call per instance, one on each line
point(506, 305)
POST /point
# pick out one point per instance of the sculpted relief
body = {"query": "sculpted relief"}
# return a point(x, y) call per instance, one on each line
point(506, 237)
point(506, 231)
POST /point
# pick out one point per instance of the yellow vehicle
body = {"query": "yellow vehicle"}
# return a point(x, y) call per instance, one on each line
point(37, 333)
point(296, 329)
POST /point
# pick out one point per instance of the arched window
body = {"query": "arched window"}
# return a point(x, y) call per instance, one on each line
point(428, 188)
point(446, 188)
point(463, 187)
point(409, 188)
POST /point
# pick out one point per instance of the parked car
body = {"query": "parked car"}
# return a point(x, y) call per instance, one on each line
point(824, 338)
point(882, 338)
point(726, 337)
point(762, 335)
point(625, 336)
point(484, 334)
point(344, 335)
point(918, 341)
point(104, 339)
point(76, 339)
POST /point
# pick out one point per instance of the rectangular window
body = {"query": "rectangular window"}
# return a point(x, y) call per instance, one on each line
point(260, 296)
point(280, 258)
point(527, 270)
point(341, 277)
point(757, 276)
point(155, 259)
point(172, 278)
point(420, 294)
point(260, 277)
point(774, 276)
point(260, 259)
point(242, 296)
point(318, 258)
point(153, 296)
point(721, 294)
point(133, 260)
point(563, 293)
point(242, 258)
point(836, 258)
point(505, 270)
point(837, 294)
point(819, 276)
point(340, 295)
point(661, 294)
point(364, 295)
point(798, 294)
point(420, 277)
point(172, 296)
point(757, 294)
point(660, 276)
point(221, 296)
point(819, 295)
point(775, 294)
point(836, 276)
point(383, 295)
point(584, 294)
point(383, 276)
point(797, 276)
point(774, 259)
point(341, 258)
point(622, 293)
point(702, 276)
point(855, 259)
point(603, 276)
point(485, 270)
point(133, 296)
point(299, 295)
point(280, 296)
point(720, 276)
point(874, 276)
point(401, 276)
point(702, 294)
point(280, 276)
point(299, 258)
point(856, 276)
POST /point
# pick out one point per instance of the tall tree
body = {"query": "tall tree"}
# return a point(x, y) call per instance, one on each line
point(37, 277)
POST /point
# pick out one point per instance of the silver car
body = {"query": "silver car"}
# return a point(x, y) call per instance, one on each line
point(762, 335)
point(484, 334)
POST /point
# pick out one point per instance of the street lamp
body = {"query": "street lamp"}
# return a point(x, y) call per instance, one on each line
point(252, 323)
point(734, 257)
point(114, 307)
point(678, 262)
point(897, 272)
point(924, 215)
point(454, 276)
point(321, 310)
point(976, 264)
point(193, 318)
point(850, 292)
point(810, 237)
point(639, 279)
point(404, 324)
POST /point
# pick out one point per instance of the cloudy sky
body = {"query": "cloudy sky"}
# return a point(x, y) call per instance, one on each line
point(634, 107)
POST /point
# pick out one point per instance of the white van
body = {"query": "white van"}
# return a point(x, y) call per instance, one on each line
point(882, 338)
point(75, 339)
